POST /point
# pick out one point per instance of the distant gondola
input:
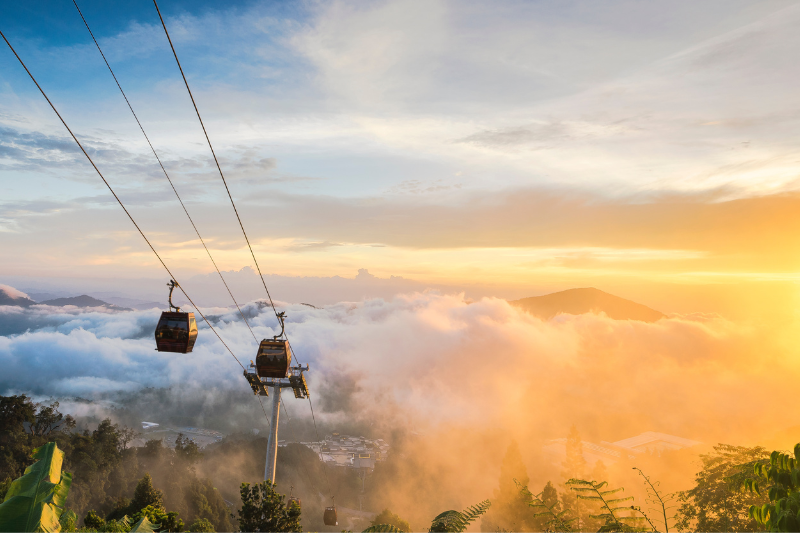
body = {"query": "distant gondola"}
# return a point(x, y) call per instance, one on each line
point(292, 500)
point(176, 331)
point(329, 518)
point(274, 356)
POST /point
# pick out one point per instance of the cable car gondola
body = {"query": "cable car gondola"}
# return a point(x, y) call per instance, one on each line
point(292, 500)
point(274, 356)
point(176, 331)
point(330, 518)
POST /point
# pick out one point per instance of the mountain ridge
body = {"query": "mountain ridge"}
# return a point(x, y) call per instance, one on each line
point(586, 300)
point(84, 300)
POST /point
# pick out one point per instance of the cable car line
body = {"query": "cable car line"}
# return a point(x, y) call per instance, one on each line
point(164, 169)
point(236, 211)
point(117, 197)
point(174, 53)
point(53, 107)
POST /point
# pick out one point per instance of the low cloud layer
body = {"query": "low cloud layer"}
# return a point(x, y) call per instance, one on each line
point(427, 359)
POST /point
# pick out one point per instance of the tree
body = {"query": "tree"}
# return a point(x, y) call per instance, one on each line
point(510, 507)
point(49, 419)
point(547, 510)
point(388, 517)
point(126, 435)
point(187, 450)
point(574, 467)
point(201, 525)
point(93, 521)
point(15, 411)
point(611, 508)
point(162, 519)
point(782, 513)
point(263, 509)
point(146, 495)
point(716, 503)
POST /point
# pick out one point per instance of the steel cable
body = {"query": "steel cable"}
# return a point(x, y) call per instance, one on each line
point(164, 170)
point(233, 204)
point(172, 276)
point(221, 175)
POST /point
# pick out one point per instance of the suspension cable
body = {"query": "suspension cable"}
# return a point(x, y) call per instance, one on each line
point(221, 175)
point(118, 199)
point(236, 211)
point(164, 170)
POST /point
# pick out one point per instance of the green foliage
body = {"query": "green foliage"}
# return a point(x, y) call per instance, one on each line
point(263, 509)
point(145, 495)
point(107, 470)
point(4, 486)
point(388, 518)
point(384, 528)
point(610, 508)
point(68, 521)
point(201, 525)
point(187, 450)
point(93, 521)
point(782, 513)
point(547, 508)
point(35, 501)
point(48, 419)
point(717, 503)
point(144, 526)
point(163, 520)
point(117, 526)
point(455, 521)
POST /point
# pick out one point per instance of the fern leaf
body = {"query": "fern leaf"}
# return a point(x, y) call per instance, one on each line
point(454, 521)
point(383, 528)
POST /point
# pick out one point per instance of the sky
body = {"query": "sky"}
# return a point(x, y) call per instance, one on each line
point(511, 149)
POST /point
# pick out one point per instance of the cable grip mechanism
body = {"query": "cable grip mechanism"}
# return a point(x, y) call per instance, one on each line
point(172, 284)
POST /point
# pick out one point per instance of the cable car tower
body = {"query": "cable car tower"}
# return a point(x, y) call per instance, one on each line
point(272, 370)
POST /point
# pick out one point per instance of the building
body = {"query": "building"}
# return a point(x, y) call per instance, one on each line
point(350, 452)
point(611, 452)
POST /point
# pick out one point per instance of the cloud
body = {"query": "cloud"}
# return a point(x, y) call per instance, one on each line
point(11, 292)
point(433, 359)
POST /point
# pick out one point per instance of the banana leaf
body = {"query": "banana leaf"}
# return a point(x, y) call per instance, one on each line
point(35, 501)
point(144, 526)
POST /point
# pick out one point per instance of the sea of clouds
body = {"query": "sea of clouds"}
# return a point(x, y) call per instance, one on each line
point(429, 358)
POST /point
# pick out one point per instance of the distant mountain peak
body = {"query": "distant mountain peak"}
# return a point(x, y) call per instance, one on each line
point(586, 300)
point(84, 300)
point(11, 296)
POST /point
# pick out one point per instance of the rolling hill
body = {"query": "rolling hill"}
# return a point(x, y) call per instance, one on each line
point(82, 301)
point(586, 300)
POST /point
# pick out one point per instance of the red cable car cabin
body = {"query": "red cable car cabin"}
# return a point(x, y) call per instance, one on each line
point(176, 332)
point(273, 359)
point(330, 516)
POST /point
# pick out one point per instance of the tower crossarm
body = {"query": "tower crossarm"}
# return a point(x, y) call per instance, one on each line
point(255, 383)
point(295, 381)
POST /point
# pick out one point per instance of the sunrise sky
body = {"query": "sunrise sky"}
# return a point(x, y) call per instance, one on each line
point(647, 149)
